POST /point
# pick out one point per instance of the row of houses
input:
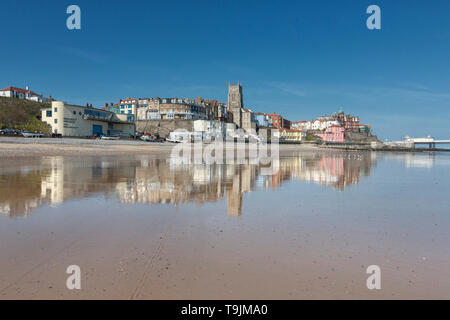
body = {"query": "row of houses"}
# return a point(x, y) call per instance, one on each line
point(211, 111)
point(333, 128)
point(283, 128)
point(208, 116)
point(169, 108)
point(348, 122)
point(329, 128)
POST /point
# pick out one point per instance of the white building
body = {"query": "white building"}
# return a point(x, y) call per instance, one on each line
point(317, 125)
point(78, 121)
point(302, 125)
point(212, 126)
point(230, 129)
point(128, 106)
point(13, 92)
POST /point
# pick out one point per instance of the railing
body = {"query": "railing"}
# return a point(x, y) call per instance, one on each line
point(109, 118)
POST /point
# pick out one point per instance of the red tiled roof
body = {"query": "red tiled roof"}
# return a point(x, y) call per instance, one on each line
point(20, 90)
point(127, 100)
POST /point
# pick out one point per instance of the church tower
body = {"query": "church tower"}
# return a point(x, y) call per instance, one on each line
point(236, 102)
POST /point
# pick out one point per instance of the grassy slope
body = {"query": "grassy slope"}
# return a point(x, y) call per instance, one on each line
point(22, 114)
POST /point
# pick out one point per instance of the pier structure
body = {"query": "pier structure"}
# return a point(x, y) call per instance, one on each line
point(430, 141)
point(413, 142)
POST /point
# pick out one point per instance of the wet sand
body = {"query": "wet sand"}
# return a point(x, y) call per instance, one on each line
point(11, 147)
point(142, 228)
point(21, 147)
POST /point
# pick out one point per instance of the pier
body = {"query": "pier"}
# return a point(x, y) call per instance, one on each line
point(409, 142)
point(430, 141)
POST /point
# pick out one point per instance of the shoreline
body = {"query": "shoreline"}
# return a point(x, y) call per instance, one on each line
point(17, 147)
point(356, 147)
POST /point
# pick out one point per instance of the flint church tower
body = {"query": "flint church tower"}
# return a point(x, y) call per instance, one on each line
point(236, 102)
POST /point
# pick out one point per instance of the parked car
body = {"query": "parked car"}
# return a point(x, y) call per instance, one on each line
point(9, 132)
point(146, 137)
point(27, 134)
point(151, 137)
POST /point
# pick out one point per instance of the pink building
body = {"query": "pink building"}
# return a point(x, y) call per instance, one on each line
point(332, 134)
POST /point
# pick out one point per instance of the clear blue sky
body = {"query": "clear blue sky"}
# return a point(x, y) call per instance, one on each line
point(298, 58)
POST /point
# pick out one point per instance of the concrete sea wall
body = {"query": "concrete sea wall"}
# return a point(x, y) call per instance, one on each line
point(163, 127)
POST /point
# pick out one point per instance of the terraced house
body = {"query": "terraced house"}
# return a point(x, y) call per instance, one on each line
point(128, 106)
point(170, 109)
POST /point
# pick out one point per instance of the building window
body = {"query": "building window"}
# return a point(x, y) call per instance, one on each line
point(49, 113)
point(55, 121)
point(56, 109)
point(74, 113)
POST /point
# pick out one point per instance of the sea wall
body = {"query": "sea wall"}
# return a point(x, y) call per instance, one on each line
point(163, 127)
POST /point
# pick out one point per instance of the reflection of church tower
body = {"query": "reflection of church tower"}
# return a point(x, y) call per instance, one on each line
point(236, 102)
point(242, 182)
point(234, 200)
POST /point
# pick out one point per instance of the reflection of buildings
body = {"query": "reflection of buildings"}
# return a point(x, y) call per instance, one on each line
point(164, 182)
point(338, 170)
point(143, 180)
point(20, 192)
point(56, 180)
point(419, 161)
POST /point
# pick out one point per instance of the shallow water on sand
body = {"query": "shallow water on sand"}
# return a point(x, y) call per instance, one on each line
point(145, 227)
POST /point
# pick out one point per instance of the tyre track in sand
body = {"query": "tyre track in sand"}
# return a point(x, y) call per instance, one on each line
point(150, 265)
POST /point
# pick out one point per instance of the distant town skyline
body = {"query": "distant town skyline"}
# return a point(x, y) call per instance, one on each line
point(301, 60)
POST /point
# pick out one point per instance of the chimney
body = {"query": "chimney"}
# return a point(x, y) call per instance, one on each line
point(27, 88)
point(87, 104)
point(106, 104)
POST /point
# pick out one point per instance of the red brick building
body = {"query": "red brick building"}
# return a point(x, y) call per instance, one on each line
point(348, 122)
point(278, 122)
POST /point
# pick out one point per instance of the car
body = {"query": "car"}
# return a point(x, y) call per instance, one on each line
point(146, 137)
point(150, 137)
point(9, 132)
point(27, 134)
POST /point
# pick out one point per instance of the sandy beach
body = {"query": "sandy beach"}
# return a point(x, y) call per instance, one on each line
point(22, 147)
point(11, 147)
point(142, 227)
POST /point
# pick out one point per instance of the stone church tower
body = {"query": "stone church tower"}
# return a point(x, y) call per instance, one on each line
point(236, 102)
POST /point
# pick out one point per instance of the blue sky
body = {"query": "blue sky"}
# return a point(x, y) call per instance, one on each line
point(298, 58)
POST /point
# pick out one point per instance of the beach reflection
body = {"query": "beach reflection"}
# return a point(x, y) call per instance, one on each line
point(141, 179)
